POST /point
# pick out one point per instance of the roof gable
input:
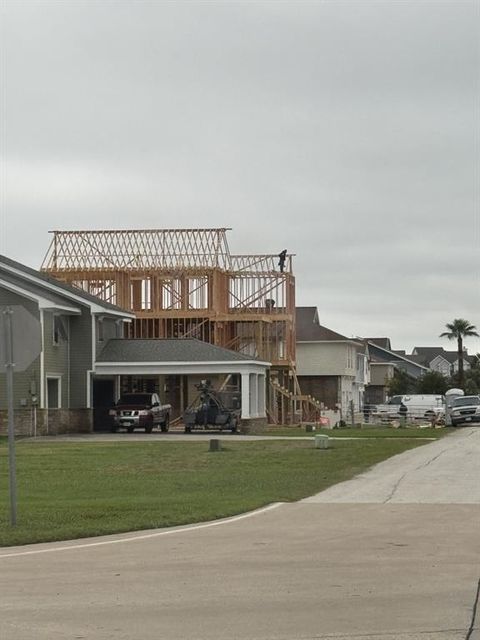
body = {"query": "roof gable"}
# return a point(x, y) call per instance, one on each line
point(439, 359)
point(54, 289)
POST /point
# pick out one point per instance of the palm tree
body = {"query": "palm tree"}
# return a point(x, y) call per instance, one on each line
point(458, 330)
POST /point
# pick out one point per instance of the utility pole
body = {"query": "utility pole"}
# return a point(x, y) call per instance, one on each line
point(9, 366)
point(20, 345)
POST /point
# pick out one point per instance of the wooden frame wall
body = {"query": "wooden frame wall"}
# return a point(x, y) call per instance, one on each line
point(185, 283)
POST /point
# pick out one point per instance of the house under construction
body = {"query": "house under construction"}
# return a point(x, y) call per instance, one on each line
point(186, 283)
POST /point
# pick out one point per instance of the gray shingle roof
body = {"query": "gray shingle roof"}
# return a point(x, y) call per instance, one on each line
point(384, 343)
point(380, 354)
point(450, 356)
point(418, 359)
point(430, 353)
point(167, 350)
point(309, 329)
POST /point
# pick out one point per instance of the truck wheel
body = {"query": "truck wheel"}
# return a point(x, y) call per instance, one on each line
point(188, 429)
point(114, 429)
point(148, 428)
point(130, 429)
point(165, 425)
point(233, 426)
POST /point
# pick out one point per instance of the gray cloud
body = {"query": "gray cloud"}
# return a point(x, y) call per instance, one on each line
point(346, 131)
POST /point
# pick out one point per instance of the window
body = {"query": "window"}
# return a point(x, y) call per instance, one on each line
point(100, 332)
point(59, 331)
point(53, 393)
point(119, 329)
point(349, 357)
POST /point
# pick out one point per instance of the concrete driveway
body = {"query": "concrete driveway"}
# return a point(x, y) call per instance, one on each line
point(391, 555)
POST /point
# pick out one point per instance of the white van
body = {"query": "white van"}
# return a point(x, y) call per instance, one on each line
point(418, 406)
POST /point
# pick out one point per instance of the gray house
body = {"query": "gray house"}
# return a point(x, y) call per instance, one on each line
point(331, 367)
point(85, 363)
point(55, 393)
point(440, 360)
point(383, 363)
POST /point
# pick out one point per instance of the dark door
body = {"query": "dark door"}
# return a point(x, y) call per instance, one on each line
point(103, 400)
point(53, 395)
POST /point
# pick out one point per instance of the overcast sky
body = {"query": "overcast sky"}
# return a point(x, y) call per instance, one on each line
point(346, 132)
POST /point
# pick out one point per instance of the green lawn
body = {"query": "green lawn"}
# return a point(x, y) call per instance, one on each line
point(68, 490)
point(366, 431)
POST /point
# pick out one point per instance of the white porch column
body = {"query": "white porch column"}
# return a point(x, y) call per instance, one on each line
point(253, 395)
point(261, 396)
point(245, 396)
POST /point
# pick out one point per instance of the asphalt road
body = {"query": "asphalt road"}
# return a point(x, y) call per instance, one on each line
point(390, 555)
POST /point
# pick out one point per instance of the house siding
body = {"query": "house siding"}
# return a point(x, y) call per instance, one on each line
point(23, 381)
point(109, 329)
point(381, 373)
point(80, 357)
point(326, 359)
point(348, 394)
point(55, 357)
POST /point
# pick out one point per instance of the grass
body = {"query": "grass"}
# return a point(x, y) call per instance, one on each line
point(68, 490)
point(366, 431)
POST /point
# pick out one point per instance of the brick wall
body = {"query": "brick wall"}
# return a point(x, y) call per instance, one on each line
point(49, 422)
point(323, 388)
point(253, 426)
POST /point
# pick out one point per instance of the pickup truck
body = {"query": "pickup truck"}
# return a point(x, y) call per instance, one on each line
point(465, 410)
point(140, 411)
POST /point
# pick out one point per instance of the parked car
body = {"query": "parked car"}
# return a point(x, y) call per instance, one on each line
point(140, 410)
point(420, 406)
point(464, 410)
point(450, 396)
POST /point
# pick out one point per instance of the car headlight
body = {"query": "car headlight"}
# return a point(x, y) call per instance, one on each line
point(143, 412)
point(112, 412)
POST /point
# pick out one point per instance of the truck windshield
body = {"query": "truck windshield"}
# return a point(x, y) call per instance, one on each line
point(135, 398)
point(395, 400)
point(466, 402)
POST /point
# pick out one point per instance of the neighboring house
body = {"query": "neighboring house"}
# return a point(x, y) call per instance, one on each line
point(85, 362)
point(383, 363)
point(440, 360)
point(55, 393)
point(330, 367)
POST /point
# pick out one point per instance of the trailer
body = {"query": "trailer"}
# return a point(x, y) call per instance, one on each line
point(209, 411)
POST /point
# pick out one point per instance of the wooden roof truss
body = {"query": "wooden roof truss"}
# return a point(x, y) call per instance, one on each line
point(185, 282)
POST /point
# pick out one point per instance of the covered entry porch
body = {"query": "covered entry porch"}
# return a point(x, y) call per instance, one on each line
point(173, 369)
